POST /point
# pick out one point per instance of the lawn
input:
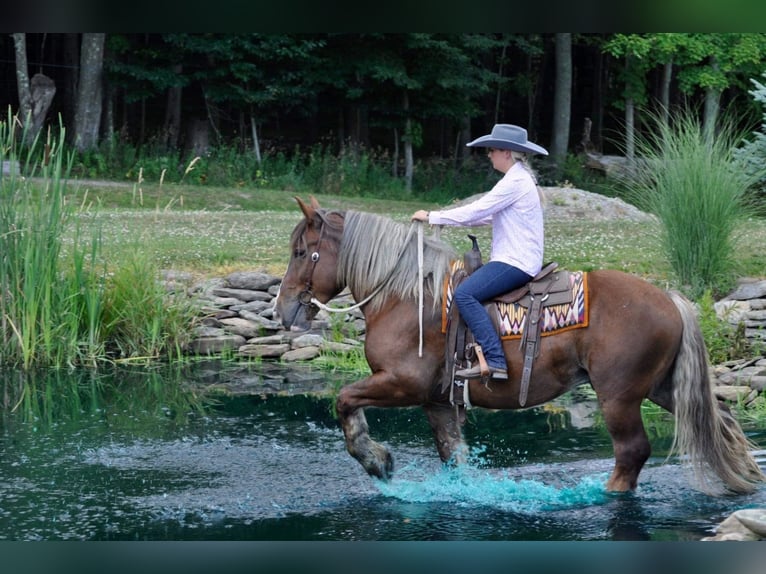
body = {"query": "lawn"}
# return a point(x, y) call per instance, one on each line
point(213, 231)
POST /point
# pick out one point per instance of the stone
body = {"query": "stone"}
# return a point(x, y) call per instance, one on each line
point(254, 280)
point(215, 345)
point(239, 326)
point(754, 290)
point(731, 311)
point(263, 351)
point(308, 340)
point(757, 382)
point(340, 348)
point(255, 306)
point(301, 354)
point(735, 393)
point(241, 294)
point(267, 324)
point(277, 339)
point(732, 529)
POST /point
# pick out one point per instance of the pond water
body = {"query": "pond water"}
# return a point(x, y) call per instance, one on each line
point(137, 454)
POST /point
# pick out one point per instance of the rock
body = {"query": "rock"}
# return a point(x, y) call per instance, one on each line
point(239, 326)
point(241, 294)
point(255, 306)
point(263, 351)
point(253, 280)
point(215, 345)
point(308, 340)
point(754, 290)
point(735, 393)
point(339, 348)
point(734, 529)
point(264, 323)
point(301, 354)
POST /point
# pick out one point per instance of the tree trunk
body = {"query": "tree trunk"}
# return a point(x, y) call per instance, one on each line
point(43, 91)
point(630, 136)
point(35, 97)
point(562, 102)
point(172, 127)
point(256, 144)
point(710, 109)
point(22, 77)
point(498, 94)
point(87, 118)
point(667, 76)
point(409, 163)
point(69, 86)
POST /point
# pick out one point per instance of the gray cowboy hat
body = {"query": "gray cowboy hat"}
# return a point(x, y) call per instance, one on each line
point(508, 136)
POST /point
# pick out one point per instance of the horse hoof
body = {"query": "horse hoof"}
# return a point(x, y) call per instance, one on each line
point(382, 467)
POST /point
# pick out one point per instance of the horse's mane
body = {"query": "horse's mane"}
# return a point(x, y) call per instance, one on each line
point(376, 250)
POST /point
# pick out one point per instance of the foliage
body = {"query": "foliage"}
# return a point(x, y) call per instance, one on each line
point(56, 306)
point(46, 316)
point(141, 320)
point(699, 193)
point(752, 153)
point(724, 341)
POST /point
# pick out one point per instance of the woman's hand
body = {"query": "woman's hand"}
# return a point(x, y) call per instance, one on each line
point(420, 215)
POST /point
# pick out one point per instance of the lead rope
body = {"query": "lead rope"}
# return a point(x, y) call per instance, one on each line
point(420, 287)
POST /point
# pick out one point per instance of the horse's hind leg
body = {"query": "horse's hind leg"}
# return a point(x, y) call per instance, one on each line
point(446, 424)
point(631, 445)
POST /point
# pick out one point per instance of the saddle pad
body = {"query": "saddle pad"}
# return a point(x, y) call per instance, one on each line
point(512, 316)
point(555, 318)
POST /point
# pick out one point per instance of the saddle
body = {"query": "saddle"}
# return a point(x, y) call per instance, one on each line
point(549, 287)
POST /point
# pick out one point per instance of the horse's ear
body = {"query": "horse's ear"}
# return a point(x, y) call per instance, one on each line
point(314, 202)
point(308, 210)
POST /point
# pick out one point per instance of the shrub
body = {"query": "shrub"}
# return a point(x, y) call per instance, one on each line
point(698, 191)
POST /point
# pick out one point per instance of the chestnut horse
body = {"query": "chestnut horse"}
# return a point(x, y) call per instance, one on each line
point(641, 343)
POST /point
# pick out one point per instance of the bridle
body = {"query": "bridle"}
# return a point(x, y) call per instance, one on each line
point(306, 297)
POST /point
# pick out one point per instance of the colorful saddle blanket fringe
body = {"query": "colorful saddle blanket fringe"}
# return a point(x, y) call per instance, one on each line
point(512, 316)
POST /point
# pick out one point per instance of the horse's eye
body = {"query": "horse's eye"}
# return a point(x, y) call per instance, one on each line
point(299, 254)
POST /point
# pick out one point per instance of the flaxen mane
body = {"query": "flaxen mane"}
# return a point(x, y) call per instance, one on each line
point(376, 250)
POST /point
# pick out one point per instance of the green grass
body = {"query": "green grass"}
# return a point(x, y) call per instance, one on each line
point(251, 228)
point(699, 193)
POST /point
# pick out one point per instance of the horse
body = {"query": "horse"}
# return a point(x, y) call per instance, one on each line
point(641, 343)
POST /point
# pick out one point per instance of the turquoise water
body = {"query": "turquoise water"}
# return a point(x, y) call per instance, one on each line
point(131, 459)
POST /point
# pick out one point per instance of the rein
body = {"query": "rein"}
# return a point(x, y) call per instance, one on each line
point(306, 297)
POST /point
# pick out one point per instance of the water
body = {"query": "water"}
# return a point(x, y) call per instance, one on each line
point(134, 459)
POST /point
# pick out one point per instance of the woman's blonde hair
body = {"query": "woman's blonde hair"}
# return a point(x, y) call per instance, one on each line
point(523, 159)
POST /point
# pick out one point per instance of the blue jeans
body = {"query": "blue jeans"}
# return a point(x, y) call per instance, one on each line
point(491, 279)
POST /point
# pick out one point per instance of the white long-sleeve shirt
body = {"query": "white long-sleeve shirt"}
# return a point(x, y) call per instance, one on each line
point(513, 208)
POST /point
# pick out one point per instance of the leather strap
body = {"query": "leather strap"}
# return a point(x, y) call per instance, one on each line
point(483, 366)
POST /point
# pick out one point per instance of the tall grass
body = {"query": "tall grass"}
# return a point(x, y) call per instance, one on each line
point(700, 195)
point(141, 321)
point(41, 309)
point(59, 307)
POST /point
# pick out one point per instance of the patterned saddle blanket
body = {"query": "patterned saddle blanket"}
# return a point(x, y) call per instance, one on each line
point(511, 317)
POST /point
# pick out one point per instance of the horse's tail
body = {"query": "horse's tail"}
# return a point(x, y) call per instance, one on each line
point(705, 430)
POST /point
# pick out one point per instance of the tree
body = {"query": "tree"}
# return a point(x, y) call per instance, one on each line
point(35, 97)
point(87, 120)
point(562, 104)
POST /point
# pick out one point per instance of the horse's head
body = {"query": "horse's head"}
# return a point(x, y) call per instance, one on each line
point(311, 273)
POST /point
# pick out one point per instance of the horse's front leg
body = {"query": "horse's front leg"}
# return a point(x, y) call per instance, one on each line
point(447, 426)
point(376, 390)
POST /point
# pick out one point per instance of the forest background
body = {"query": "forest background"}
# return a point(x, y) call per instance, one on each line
point(155, 101)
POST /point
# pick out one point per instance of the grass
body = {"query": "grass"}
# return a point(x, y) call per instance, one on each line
point(245, 229)
point(699, 193)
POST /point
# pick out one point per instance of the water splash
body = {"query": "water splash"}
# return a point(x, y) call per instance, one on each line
point(469, 484)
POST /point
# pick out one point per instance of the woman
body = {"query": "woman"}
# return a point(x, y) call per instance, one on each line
point(513, 207)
